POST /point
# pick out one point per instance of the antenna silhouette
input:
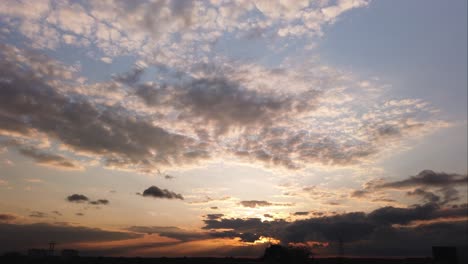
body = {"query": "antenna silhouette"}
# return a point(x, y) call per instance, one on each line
point(340, 247)
point(51, 248)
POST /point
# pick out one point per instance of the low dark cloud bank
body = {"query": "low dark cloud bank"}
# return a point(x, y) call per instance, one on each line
point(379, 232)
point(24, 236)
point(7, 217)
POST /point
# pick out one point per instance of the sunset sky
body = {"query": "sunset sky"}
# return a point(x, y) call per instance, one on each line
point(213, 128)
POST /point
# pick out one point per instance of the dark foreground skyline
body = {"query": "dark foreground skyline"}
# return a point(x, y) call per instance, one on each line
point(273, 254)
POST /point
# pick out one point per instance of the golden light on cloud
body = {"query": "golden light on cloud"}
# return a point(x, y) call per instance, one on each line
point(269, 240)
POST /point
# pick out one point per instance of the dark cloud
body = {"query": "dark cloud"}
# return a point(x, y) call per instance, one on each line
point(49, 159)
point(7, 217)
point(214, 207)
point(23, 236)
point(393, 215)
point(359, 193)
point(240, 224)
point(79, 214)
point(301, 213)
point(427, 196)
point(257, 203)
point(99, 202)
point(450, 194)
point(187, 235)
point(383, 199)
point(57, 213)
point(214, 216)
point(418, 240)
point(349, 227)
point(38, 214)
point(170, 231)
point(169, 177)
point(428, 178)
point(130, 77)
point(429, 186)
point(244, 237)
point(156, 192)
point(77, 198)
point(225, 103)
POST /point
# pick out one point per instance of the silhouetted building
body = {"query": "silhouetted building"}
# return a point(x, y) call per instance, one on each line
point(69, 253)
point(444, 255)
point(280, 254)
point(37, 253)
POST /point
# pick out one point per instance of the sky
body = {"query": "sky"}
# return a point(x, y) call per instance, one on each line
point(215, 128)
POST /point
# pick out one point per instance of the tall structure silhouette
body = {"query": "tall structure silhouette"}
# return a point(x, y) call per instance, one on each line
point(340, 247)
point(51, 248)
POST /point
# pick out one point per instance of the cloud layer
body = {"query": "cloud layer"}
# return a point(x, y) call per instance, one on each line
point(250, 113)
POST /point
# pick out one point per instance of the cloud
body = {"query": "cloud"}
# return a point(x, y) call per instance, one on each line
point(30, 104)
point(187, 235)
point(359, 193)
point(106, 60)
point(350, 227)
point(257, 203)
point(156, 192)
point(99, 202)
point(77, 198)
point(225, 103)
point(214, 216)
point(80, 198)
point(158, 22)
point(429, 186)
point(37, 214)
point(7, 217)
point(301, 213)
point(427, 178)
point(208, 199)
point(53, 160)
point(426, 195)
point(23, 236)
point(170, 231)
point(288, 117)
